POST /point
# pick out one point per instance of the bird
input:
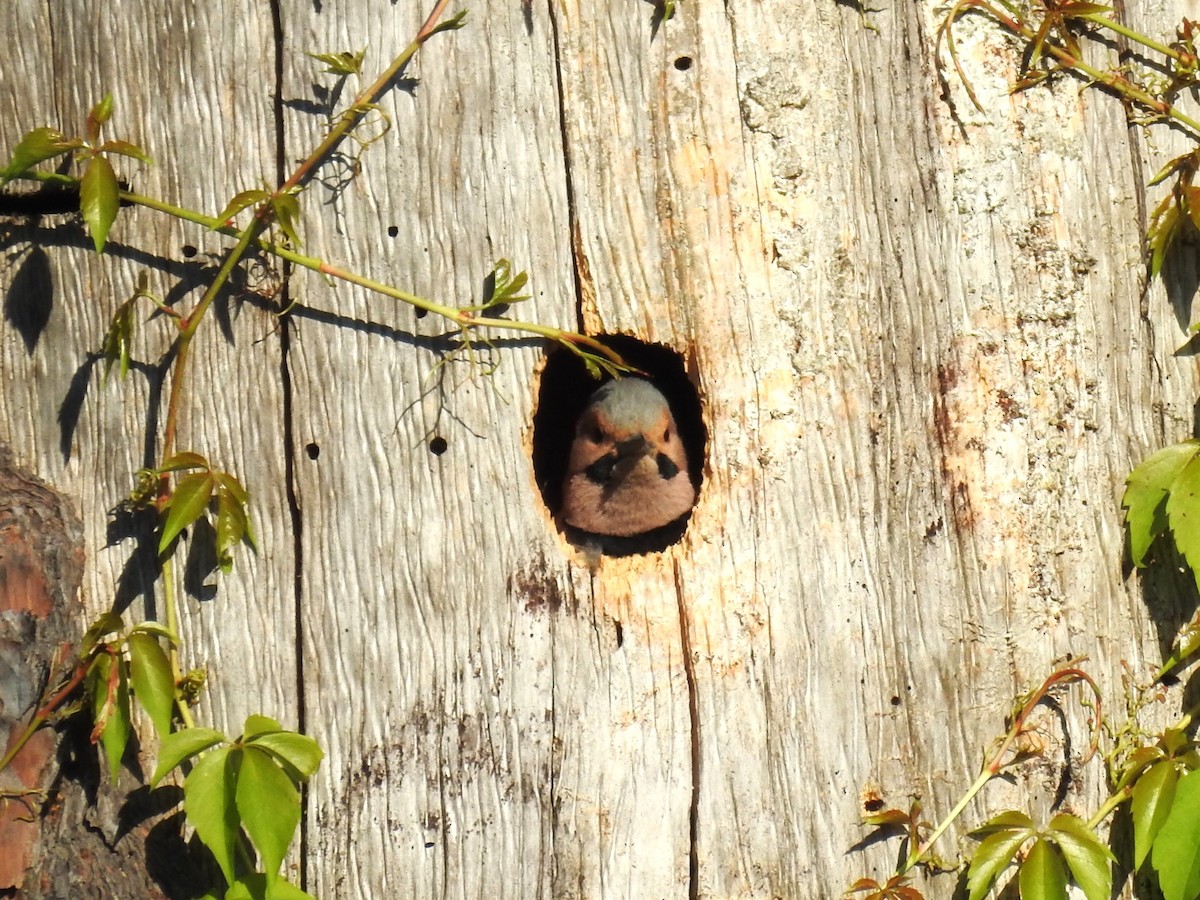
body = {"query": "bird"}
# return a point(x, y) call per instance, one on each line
point(627, 471)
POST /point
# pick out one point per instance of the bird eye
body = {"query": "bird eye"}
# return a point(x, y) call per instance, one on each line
point(667, 434)
point(595, 435)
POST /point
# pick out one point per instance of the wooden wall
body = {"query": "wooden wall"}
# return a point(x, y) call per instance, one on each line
point(922, 338)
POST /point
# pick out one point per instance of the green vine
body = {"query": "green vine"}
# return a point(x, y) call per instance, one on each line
point(1153, 777)
point(241, 795)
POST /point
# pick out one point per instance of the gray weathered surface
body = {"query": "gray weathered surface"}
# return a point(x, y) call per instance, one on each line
point(926, 361)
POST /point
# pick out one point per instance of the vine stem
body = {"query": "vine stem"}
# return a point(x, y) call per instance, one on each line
point(1112, 80)
point(1137, 37)
point(993, 767)
point(181, 704)
point(251, 235)
point(464, 317)
point(78, 673)
point(358, 108)
point(1109, 805)
point(263, 216)
point(917, 852)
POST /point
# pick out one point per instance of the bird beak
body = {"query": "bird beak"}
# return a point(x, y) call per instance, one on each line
point(629, 453)
point(633, 447)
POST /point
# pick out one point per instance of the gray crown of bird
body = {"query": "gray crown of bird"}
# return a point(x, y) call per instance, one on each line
point(627, 473)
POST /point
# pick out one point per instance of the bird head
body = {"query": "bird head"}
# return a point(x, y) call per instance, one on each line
point(627, 472)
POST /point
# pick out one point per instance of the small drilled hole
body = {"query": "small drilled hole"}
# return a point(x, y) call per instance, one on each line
point(312, 450)
point(393, 231)
point(422, 313)
point(188, 251)
point(895, 700)
point(683, 63)
point(438, 445)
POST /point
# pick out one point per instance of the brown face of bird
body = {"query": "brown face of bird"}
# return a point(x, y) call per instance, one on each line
point(627, 473)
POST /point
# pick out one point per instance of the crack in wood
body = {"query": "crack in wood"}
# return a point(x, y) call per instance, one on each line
point(579, 266)
point(290, 443)
point(689, 670)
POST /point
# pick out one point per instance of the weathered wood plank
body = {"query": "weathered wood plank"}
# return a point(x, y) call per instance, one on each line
point(926, 360)
point(430, 664)
point(197, 96)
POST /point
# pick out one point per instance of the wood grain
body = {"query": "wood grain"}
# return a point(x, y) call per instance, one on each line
point(927, 357)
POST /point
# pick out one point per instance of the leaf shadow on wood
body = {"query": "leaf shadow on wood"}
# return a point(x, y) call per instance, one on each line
point(129, 839)
point(1168, 590)
point(29, 300)
point(71, 407)
point(141, 570)
point(1181, 278)
point(182, 869)
point(448, 346)
point(339, 168)
point(201, 562)
point(1063, 784)
point(186, 276)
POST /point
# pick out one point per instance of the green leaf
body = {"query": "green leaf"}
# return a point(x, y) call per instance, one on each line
point(299, 751)
point(185, 460)
point(1191, 204)
point(256, 887)
point(893, 818)
point(1186, 643)
point(992, 857)
point(1175, 740)
point(124, 148)
point(175, 748)
point(1176, 851)
point(1010, 818)
point(287, 211)
point(256, 724)
point(153, 683)
point(240, 202)
point(1042, 874)
point(1089, 860)
point(1164, 225)
point(269, 805)
point(119, 338)
point(110, 709)
point(1137, 762)
point(282, 889)
point(99, 199)
point(155, 628)
point(231, 527)
point(505, 287)
point(35, 147)
point(664, 12)
point(187, 504)
point(344, 63)
point(231, 484)
point(109, 623)
point(1183, 513)
point(1153, 794)
point(98, 115)
point(1188, 161)
point(209, 800)
point(451, 24)
point(1146, 492)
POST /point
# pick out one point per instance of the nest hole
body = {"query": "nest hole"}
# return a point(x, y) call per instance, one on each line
point(563, 393)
